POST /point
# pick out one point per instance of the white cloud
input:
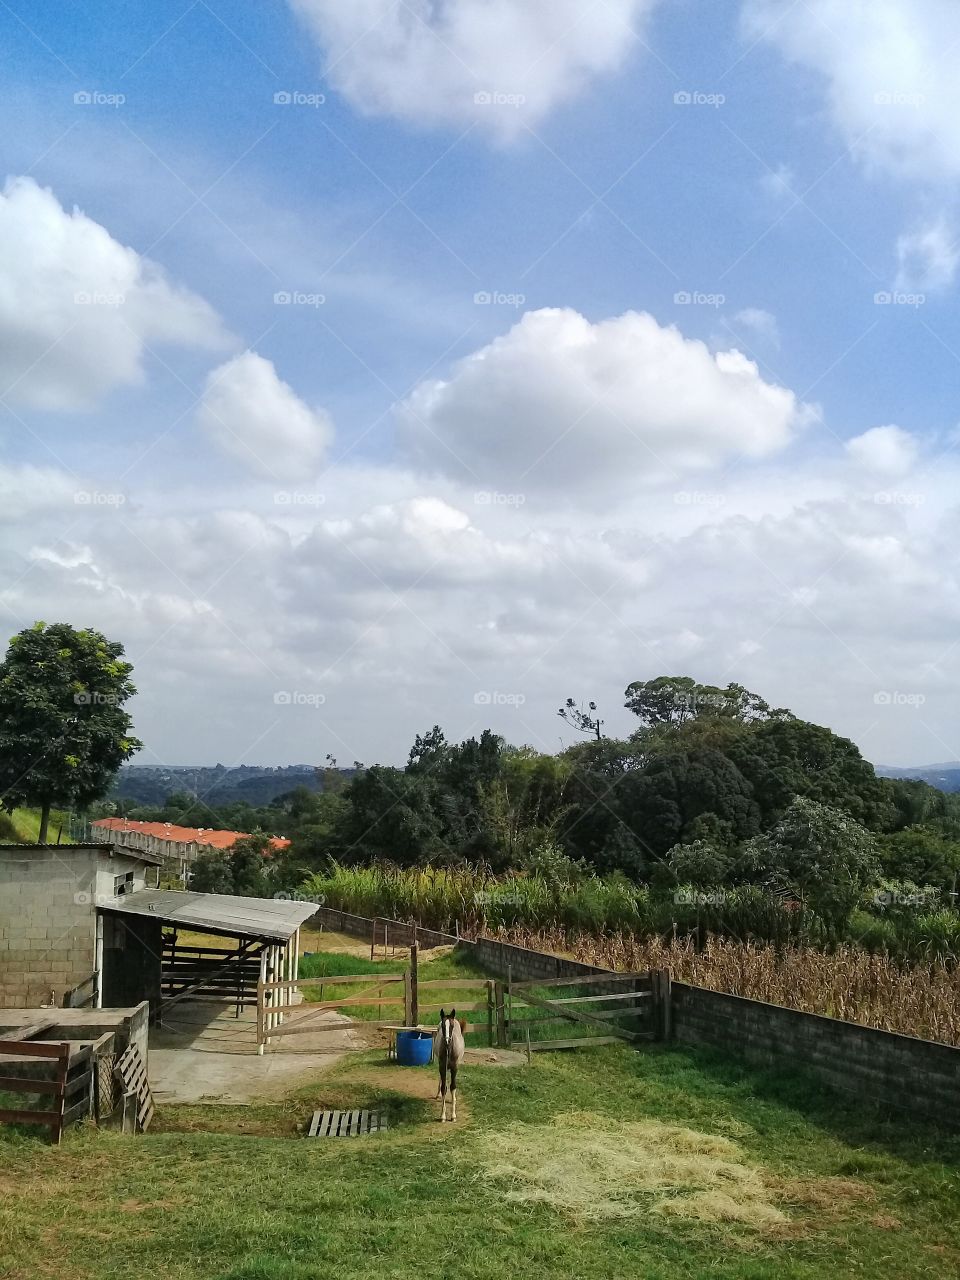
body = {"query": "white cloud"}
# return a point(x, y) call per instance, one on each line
point(256, 417)
point(759, 323)
point(928, 257)
point(890, 72)
point(885, 451)
point(499, 64)
point(561, 404)
point(78, 309)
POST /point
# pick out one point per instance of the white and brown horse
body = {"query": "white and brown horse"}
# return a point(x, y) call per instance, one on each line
point(449, 1046)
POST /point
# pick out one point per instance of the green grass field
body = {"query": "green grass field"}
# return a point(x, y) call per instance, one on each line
point(23, 826)
point(233, 1193)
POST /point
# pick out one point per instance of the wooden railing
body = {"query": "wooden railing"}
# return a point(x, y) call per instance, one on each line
point(70, 1089)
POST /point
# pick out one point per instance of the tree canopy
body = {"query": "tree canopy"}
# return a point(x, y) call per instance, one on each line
point(63, 728)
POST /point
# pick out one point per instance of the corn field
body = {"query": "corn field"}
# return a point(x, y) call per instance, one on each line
point(848, 983)
point(747, 945)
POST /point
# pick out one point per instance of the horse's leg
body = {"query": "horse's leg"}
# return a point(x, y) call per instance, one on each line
point(453, 1087)
point(443, 1090)
point(440, 1080)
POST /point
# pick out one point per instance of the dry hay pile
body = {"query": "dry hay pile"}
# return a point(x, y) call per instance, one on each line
point(593, 1168)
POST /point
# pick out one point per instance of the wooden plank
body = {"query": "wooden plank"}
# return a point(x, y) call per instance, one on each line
point(619, 995)
point(51, 1118)
point(22, 1084)
point(27, 1033)
point(455, 984)
point(31, 1049)
point(333, 1128)
point(575, 1015)
point(78, 1111)
point(77, 1082)
point(338, 980)
point(314, 1124)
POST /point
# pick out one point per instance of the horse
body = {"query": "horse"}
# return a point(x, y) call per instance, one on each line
point(449, 1046)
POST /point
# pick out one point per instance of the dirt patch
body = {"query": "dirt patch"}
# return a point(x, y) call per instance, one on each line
point(592, 1168)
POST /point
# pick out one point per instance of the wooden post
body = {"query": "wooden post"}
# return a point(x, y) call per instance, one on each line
point(414, 986)
point(373, 938)
point(498, 1005)
point(508, 1021)
point(260, 998)
point(490, 1006)
point(529, 1053)
point(667, 1005)
point(407, 1000)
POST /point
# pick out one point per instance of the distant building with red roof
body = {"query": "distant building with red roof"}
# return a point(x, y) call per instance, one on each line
point(167, 841)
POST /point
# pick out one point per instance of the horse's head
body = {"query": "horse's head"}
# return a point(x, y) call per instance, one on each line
point(447, 1023)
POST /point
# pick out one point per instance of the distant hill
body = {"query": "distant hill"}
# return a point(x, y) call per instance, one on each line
point(216, 784)
point(946, 777)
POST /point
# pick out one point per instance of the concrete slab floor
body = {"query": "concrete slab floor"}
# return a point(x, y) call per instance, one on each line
point(203, 1053)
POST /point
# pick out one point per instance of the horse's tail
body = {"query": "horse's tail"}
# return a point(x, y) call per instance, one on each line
point(463, 1025)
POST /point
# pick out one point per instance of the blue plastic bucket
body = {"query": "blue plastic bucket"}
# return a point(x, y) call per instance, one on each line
point(414, 1048)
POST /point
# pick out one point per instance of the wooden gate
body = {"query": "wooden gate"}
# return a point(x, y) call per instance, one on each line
point(572, 1013)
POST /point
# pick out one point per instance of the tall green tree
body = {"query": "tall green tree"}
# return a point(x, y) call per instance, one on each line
point(63, 728)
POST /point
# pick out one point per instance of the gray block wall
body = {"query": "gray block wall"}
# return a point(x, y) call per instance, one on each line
point(47, 922)
point(918, 1076)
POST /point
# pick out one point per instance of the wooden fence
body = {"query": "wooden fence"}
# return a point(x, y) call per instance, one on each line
point(510, 1011)
point(71, 1088)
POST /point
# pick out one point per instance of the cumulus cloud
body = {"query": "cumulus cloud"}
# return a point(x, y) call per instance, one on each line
point(560, 403)
point(259, 419)
point(884, 451)
point(78, 309)
point(928, 257)
point(499, 64)
point(889, 70)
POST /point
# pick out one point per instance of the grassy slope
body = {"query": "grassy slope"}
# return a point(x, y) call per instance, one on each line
point(26, 826)
point(231, 1194)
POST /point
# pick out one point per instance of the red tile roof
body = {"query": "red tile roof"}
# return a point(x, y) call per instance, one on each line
point(205, 836)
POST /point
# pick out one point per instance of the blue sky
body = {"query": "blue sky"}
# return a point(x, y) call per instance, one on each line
point(395, 499)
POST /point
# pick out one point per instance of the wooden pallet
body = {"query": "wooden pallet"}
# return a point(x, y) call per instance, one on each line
point(345, 1124)
point(132, 1073)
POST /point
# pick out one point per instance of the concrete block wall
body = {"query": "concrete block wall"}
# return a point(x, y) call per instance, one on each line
point(47, 922)
point(523, 964)
point(919, 1076)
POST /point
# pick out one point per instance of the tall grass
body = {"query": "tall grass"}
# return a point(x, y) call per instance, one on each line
point(477, 902)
